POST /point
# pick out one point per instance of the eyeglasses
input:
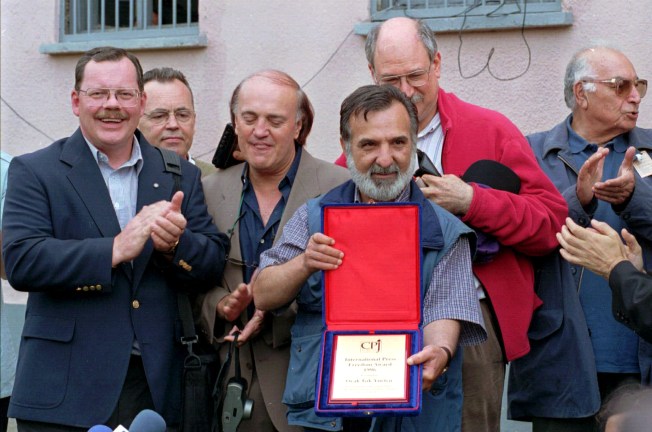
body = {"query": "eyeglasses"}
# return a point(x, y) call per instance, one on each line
point(159, 117)
point(126, 96)
point(415, 78)
point(623, 86)
point(230, 232)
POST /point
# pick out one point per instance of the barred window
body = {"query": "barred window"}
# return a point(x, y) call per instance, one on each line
point(130, 24)
point(456, 15)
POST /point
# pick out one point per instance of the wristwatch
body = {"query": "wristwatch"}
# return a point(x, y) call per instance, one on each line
point(449, 356)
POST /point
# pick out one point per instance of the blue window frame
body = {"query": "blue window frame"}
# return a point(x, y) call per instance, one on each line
point(456, 15)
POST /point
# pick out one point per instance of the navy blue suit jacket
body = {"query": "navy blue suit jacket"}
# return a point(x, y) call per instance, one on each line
point(632, 306)
point(82, 315)
point(632, 298)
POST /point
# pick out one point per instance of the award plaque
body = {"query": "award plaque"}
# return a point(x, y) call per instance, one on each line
point(371, 308)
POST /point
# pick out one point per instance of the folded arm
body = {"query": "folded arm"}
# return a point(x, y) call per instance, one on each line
point(527, 221)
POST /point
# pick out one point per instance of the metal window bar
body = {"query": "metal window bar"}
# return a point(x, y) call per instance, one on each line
point(131, 15)
point(88, 16)
point(116, 15)
point(160, 14)
point(102, 16)
point(96, 19)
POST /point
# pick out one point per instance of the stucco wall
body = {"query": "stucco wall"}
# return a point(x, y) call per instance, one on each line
point(299, 37)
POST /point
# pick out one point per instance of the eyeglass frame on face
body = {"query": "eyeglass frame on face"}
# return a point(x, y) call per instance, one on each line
point(616, 83)
point(133, 94)
point(166, 114)
point(408, 77)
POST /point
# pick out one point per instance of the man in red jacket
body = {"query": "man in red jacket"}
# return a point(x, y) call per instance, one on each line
point(454, 134)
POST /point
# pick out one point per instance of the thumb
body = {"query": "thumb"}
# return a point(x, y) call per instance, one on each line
point(603, 228)
point(417, 359)
point(176, 201)
point(243, 288)
point(630, 240)
point(628, 161)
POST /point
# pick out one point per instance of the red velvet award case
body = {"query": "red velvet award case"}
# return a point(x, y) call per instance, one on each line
point(372, 301)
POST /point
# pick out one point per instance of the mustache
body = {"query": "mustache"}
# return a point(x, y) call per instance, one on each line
point(416, 98)
point(113, 115)
point(377, 169)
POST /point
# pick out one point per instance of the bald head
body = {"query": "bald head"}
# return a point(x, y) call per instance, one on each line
point(589, 63)
point(403, 52)
point(304, 110)
point(400, 31)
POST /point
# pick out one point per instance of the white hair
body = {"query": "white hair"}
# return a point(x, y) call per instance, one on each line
point(580, 68)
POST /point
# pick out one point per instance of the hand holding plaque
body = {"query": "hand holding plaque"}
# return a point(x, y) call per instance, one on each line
point(372, 312)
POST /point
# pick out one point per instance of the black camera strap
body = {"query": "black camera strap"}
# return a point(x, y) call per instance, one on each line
point(224, 370)
point(234, 406)
point(236, 350)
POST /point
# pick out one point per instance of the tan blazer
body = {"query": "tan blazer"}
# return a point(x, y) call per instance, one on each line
point(270, 350)
point(205, 167)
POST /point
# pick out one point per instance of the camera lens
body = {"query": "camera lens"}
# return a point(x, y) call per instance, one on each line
point(247, 409)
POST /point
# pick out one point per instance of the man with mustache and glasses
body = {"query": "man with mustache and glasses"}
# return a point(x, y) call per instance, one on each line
point(402, 52)
point(169, 118)
point(599, 161)
point(253, 200)
point(93, 232)
point(378, 127)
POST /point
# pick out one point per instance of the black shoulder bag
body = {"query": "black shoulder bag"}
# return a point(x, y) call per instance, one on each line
point(199, 408)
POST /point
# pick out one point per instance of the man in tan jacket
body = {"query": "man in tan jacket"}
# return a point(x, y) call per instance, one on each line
point(252, 201)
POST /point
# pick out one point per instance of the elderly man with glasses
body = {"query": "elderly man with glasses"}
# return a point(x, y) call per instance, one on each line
point(599, 161)
point(455, 134)
point(169, 118)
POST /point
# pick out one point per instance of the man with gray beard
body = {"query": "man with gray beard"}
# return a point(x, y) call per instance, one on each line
point(378, 126)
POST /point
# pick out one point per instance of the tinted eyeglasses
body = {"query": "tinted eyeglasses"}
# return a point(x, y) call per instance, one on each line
point(622, 86)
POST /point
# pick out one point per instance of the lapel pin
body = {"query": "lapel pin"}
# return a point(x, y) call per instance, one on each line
point(155, 185)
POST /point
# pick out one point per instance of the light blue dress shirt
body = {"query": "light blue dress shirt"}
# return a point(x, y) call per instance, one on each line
point(8, 340)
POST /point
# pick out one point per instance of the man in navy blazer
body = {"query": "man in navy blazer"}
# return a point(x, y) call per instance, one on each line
point(93, 231)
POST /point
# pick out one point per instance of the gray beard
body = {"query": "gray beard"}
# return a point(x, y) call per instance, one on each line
point(381, 190)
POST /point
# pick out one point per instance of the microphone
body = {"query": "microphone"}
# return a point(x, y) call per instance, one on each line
point(100, 428)
point(147, 421)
